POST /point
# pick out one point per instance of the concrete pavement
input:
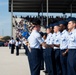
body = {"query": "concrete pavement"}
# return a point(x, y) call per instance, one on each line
point(10, 64)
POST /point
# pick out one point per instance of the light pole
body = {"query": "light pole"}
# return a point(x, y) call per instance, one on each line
point(11, 18)
point(47, 11)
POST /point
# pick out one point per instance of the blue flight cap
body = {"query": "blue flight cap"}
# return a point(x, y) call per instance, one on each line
point(63, 22)
point(71, 19)
point(47, 26)
point(51, 25)
point(56, 24)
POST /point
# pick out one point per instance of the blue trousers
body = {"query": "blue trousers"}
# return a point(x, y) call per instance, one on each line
point(48, 60)
point(63, 60)
point(57, 61)
point(12, 48)
point(71, 62)
point(17, 50)
point(54, 62)
point(34, 58)
point(42, 60)
point(26, 49)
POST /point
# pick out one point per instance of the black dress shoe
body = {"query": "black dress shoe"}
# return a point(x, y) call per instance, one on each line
point(45, 71)
point(42, 68)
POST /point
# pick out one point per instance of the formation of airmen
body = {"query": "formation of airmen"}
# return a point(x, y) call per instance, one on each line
point(58, 48)
point(18, 44)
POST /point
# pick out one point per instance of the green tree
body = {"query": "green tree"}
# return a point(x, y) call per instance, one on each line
point(6, 38)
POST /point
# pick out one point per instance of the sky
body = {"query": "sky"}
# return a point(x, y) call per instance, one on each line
point(5, 17)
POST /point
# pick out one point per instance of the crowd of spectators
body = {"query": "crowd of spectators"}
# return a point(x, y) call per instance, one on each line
point(51, 19)
point(20, 28)
point(25, 24)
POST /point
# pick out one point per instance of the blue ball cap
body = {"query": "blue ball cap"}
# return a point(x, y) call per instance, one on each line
point(63, 22)
point(71, 19)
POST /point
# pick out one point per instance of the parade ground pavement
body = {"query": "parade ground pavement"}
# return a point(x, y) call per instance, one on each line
point(10, 64)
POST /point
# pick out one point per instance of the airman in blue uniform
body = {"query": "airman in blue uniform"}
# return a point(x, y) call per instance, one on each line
point(34, 55)
point(63, 46)
point(12, 42)
point(48, 53)
point(71, 62)
point(56, 43)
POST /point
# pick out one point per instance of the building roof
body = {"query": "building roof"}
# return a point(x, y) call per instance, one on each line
point(58, 6)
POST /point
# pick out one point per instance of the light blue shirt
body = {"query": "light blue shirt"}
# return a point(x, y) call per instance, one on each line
point(35, 39)
point(72, 40)
point(56, 39)
point(49, 39)
point(64, 40)
point(44, 41)
point(12, 41)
